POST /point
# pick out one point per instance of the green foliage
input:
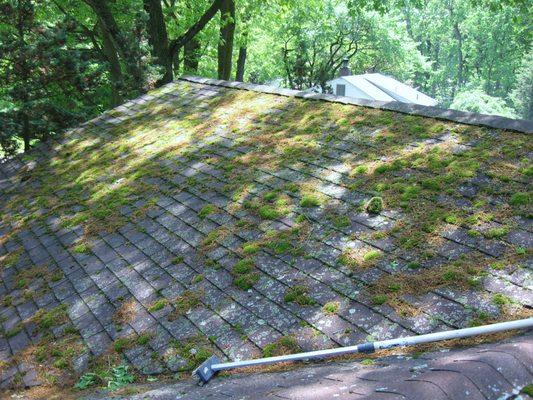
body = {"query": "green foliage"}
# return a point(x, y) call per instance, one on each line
point(195, 350)
point(47, 319)
point(279, 246)
point(87, 380)
point(360, 169)
point(250, 248)
point(521, 95)
point(177, 260)
point(42, 73)
point(270, 196)
point(185, 302)
point(528, 390)
point(500, 299)
point(372, 255)
point(113, 379)
point(473, 56)
point(158, 305)
point(81, 248)
point(496, 233)
point(268, 212)
point(143, 340)
point(478, 101)
point(119, 377)
point(243, 266)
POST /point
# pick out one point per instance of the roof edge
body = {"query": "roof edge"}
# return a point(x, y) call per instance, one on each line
point(463, 117)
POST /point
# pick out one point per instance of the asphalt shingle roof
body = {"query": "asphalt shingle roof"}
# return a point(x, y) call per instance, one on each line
point(497, 371)
point(200, 217)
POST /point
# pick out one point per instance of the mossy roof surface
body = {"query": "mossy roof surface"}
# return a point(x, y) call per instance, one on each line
point(226, 219)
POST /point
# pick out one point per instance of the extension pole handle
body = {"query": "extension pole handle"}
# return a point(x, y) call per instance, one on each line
point(213, 365)
point(455, 334)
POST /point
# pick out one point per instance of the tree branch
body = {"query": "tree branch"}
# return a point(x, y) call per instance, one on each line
point(197, 27)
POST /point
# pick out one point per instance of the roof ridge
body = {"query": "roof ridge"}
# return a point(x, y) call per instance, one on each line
point(463, 117)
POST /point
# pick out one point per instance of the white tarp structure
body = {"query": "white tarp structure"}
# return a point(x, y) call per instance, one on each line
point(378, 87)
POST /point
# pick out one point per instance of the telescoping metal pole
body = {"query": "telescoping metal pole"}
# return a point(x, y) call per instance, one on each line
point(213, 365)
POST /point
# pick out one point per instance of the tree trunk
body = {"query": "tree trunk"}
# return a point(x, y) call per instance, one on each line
point(225, 44)
point(24, 97)
point(26, 133)
point(158, 38)
point(178, 43)
point(457, 35)
point(191, 56)
point(108, 23)
point(460, 61)
point(243, 48)
point(176, 62)
point(110, 53)
point(241, 62)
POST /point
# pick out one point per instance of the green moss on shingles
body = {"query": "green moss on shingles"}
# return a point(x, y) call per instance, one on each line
point(331, 307)
point(157, 305)
point(251, 248)
point(299, 295)
point(195, 350)
point(309, 201)
point(206, 210)
point(496, 233)
point(244, 275)
point(283, 346)
point(269, 212)
point(520, 199)
point(374, 205)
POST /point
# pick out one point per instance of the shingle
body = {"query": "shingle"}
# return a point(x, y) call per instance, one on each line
point(159, 250)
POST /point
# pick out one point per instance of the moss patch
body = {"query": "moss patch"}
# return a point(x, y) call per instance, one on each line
point(309, 201)
point(185, 302)
point(282, 346)
point(47, 319)
point(374, 205)
point(207, 210)
point(299, 295)
point(331, 307)
point(244, 275)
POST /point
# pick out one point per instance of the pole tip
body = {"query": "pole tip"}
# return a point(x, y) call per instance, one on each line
point(204, 372)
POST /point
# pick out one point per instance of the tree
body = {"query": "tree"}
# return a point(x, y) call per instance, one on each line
point(179, 42)
point(313, 48)
point(43, 77)
point(478, 101)
point(225, 45)
point(468, 44)
point(165, 50)
point(127, 46)
point(65, 60)
point(158, 38)
point(243, 47)
point(522, 94)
